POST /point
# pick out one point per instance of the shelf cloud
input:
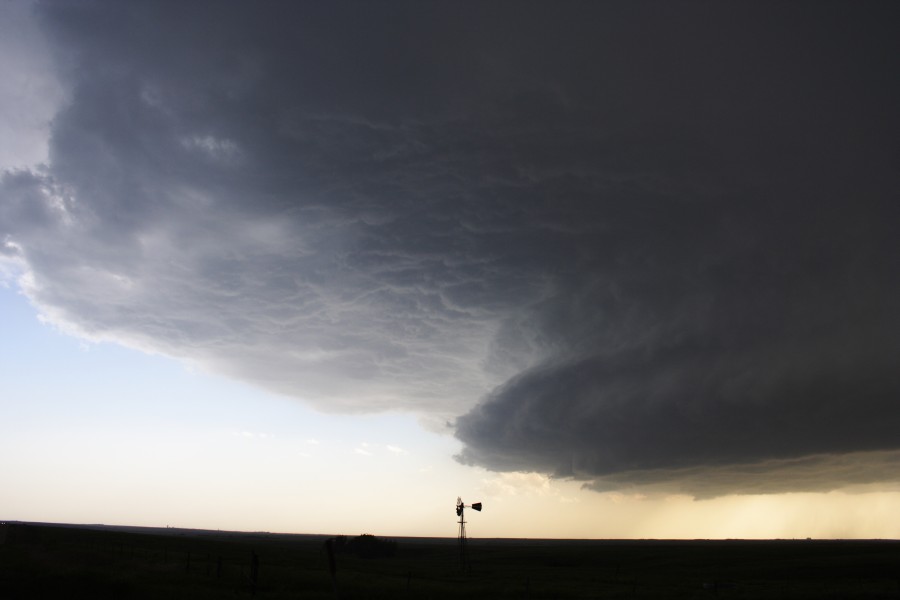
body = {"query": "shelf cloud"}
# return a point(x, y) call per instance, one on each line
point(630, 244)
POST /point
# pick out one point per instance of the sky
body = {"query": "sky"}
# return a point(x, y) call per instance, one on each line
point(614, 269)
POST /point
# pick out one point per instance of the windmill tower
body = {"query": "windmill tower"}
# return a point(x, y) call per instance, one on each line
point(463, 550)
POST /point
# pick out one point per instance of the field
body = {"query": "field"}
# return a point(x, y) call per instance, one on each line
point(53, 561)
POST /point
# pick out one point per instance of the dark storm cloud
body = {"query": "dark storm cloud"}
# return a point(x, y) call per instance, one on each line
point(631, 240)
point(852, 472)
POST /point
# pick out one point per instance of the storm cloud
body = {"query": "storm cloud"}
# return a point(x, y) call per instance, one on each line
point(626, 243)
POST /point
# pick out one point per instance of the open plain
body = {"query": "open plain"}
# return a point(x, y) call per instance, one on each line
point(100, 562)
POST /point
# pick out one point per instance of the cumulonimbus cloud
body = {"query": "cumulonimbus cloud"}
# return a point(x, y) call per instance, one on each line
point(624, 254)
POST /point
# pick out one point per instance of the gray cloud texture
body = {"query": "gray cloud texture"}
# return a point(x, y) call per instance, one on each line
point(621, 242)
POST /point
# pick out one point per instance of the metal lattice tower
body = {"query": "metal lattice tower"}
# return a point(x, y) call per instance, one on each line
point(463, 546)
point(463, 552)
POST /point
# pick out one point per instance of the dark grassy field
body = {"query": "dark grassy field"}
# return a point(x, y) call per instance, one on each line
point(45, 561)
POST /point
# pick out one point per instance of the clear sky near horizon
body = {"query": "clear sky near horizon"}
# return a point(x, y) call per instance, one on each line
point(616, 270)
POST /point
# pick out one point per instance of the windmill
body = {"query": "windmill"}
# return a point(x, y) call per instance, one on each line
point(460, 512)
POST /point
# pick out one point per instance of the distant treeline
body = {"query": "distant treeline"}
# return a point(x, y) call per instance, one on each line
point(365, 546)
